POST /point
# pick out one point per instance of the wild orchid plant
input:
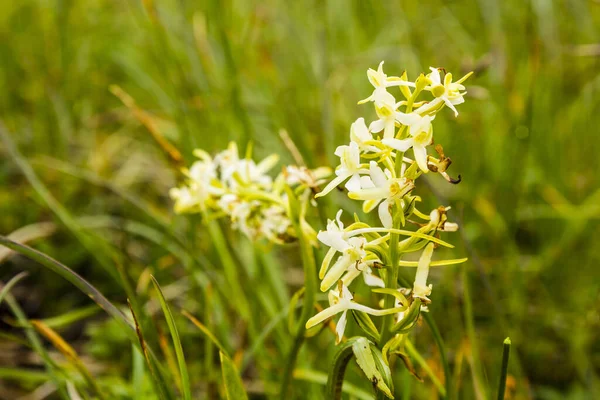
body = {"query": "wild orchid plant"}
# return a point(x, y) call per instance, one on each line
point(375, 170)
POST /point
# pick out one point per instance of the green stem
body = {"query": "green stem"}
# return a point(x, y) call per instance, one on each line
point(310, 283)
point(504, 372)
point(335, 379)
point(229, 266)
point(392, 274)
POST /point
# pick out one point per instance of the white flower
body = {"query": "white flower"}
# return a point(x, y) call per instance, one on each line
point(349, 168)
point(421, 132)
point(380, 81)
point(449, 92)
point(334, 236)
point(420, 289)
point(359, 134)
point(351, 256)
point(386, 109)
point(187, 198)
point(340, 301)
point(247, 172)
point(363, 269)
point(274, 223)
point(379, 188)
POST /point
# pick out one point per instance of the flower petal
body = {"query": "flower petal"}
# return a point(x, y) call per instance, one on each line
point(354, 183)
point(400, 145)
point(421, 157)
point(332, 185)
point(384, 214)
point(377, 126)
point(341, 327)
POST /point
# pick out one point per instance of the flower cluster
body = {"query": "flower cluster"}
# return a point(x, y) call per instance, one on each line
point(376, 170)
point(256, 203)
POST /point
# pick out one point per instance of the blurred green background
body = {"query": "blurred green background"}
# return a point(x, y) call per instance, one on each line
point(204, 73)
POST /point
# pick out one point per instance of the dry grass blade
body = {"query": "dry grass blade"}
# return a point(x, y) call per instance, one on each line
point(149, 121)
point(68, 351)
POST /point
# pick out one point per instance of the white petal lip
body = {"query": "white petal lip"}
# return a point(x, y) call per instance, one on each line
point(384, 214)
point(421, 156)
point(371, 279)
point(450, 105)
point(341, 327)
point(390, 128)
point(407, 119)
point(377, 175)
point(377, 126)
point(353, 183)
point(400, 145)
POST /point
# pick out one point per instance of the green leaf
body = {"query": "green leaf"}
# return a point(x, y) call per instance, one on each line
point(382, 367)
point(234, 388)
point(364, 358)
point(185, 378)
point(11, 283)
point(335, 379)
point(410, 318)
point(366, 324)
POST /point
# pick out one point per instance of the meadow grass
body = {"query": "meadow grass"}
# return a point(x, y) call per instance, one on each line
point(103, 101)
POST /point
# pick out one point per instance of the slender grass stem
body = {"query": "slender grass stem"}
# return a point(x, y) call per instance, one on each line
point(504, 371)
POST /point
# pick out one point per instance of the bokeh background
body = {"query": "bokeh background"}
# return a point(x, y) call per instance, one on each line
point(94, 93)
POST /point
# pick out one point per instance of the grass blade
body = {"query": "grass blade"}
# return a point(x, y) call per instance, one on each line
point(157, 379)
point(234, 388)
point(185, 379)
point(70, 276)
point(10, 284)
point(206, 332)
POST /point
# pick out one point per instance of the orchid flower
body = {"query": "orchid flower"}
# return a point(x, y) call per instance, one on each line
point(420, 289)
point(349, 167)
point(449, 92)
point(380, 81)
point(353, 255)
point(421, 132)
point(367, 273)
point(387, 111)
point(340, 301)
point(359, 134)
point(379, 188)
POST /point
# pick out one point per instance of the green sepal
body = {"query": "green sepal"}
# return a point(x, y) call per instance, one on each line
point(366, 324)
point(411, 317)
point(365, 360)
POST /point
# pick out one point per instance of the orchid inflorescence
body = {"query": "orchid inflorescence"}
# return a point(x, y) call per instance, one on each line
point(239, 188)
point(375, 169)
point(379, 167)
